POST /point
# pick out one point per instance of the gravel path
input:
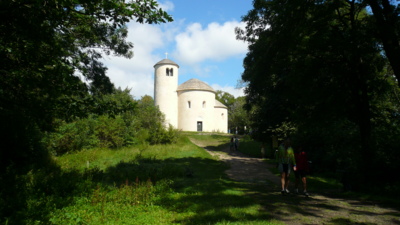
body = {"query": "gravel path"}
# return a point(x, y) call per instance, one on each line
point(247, 169)
point(321, 208)
point(244, 168)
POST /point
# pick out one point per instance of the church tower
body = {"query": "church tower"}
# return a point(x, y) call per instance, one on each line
point(165, 90)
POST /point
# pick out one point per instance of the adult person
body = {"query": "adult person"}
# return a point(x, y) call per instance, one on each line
point(262, 150)
point(236, 143)
point(232, 144)
point(285, 161)
point(301, 170)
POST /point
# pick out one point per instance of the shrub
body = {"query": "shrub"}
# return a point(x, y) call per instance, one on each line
point(72, 136)
point(110, 131)
point(160, 135)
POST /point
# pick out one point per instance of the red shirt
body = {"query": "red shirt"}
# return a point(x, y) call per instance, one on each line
point(301, 161)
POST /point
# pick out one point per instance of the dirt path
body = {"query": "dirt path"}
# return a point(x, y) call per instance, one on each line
point(247, 169)
point(320, 208)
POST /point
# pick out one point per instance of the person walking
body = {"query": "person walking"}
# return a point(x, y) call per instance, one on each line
point(301, 170)
point(285, 161)
point(232, 144)
point(262, 150)
point(236, 143)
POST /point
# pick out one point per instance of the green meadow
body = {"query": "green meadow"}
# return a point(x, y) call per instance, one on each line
point(178, 183)
point(160, 184)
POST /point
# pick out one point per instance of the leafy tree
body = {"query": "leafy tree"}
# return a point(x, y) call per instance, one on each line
point(44, 47)
point(386, 14)
point(237, 116)
point(152, 120)
point(115, 103)
point(315, 70)
point(225, 98)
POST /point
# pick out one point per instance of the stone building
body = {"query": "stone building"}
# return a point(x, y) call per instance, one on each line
point(190, 106)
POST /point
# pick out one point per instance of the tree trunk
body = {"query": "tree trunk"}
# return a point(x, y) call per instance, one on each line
point(386, 21)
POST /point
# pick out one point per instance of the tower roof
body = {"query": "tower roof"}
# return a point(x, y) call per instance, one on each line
point(218, 104)
point(195, 84)
point(166, 62)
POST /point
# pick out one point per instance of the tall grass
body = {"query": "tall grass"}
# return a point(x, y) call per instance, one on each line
point(160, 184)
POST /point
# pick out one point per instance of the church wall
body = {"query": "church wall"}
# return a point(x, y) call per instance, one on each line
point(201, 110)
point(165, 95)
point(221, 119)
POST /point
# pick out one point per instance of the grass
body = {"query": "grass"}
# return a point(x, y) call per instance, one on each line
point(161, 184)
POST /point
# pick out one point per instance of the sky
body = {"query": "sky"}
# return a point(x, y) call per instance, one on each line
point(201, 40)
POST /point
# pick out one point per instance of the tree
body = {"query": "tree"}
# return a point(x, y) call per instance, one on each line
point(225, 98)
point(315, 70)
point(237, 116)
point(45, 46)
point(152, 120)
point(386, 15)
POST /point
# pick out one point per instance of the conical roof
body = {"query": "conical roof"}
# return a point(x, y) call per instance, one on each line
point(195, 84)
point(218, 104)
point(166, 62)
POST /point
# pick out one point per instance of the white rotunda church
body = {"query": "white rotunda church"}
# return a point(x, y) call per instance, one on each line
point(190, 106)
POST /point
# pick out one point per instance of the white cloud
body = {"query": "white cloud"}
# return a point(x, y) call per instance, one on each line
point(137, 73)
point(193, 45)
point(216, 42)
point(167, 6)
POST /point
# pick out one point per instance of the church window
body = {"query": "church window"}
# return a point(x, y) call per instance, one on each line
point(189, 104)
point(204, 104)
point(169, 72)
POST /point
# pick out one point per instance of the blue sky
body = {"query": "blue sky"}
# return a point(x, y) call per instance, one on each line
point(201, 40)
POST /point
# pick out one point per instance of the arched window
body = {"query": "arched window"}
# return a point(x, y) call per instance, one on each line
point(189, 105)
point(204, 104)
point(169, 72)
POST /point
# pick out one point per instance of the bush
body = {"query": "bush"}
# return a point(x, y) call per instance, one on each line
point(110, 131)
point(160, 135)
point(73, 136)
point(123, 126)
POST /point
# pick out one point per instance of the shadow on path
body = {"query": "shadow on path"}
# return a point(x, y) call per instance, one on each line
point(258, 182)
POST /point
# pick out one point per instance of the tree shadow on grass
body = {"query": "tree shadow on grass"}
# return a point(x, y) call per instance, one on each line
point(201, 192)
point(320, 209)
point(201, 189)
point(290, 208)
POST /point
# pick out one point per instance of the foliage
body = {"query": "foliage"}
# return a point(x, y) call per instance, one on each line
point(45, 47)
point(115, 103)
point(386, 14)
point(70, 137)
point(225, 98)
point(315, 71)
point(237, 116)
point(252, 148)
point(127, 186)
point(115, 188)
point(152, 120)
point(123, 122)
point(110, 132)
